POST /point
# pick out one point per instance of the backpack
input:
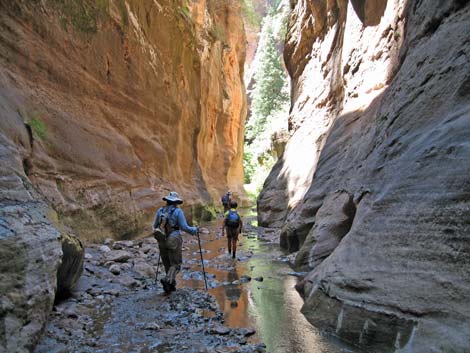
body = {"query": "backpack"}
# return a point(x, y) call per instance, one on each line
point(164, 227)
point(232, 220)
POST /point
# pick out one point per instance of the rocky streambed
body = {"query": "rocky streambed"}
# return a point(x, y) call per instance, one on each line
point(251, 304)
point(118, 307)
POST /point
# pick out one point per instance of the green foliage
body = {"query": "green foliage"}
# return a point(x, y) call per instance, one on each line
point(249, 13)
point(269, 101)
point(268, 96)
point(38, 127)
point(248, 166)
point(184, 9)
point(123, 11)
point(83, 15)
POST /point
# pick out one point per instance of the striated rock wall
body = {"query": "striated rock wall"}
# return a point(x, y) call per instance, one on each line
point(29, 254)
point(105, 106)
point(124, 101)
point(381, 105)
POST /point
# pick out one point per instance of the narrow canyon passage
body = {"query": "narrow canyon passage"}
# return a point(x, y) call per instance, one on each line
point(256, 307)
point(341, 127)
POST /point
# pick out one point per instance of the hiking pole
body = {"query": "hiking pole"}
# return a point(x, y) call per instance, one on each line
point(202, 260)
point(158, 266)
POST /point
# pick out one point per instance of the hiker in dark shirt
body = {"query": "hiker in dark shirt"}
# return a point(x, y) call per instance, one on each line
point(167, 226)
point(232, 226)
point(226, 199)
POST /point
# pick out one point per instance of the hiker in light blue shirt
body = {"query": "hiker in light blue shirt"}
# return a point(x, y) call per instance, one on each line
point(171, 220)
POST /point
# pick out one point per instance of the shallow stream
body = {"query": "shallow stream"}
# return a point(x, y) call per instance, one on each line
point(268, 302)
point(256, 308)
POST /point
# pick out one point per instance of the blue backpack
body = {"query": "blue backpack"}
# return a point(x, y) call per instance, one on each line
point(232, 220)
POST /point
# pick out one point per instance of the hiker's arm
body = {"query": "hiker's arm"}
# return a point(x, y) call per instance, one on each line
point(157, 216)
point(223, 223)
point(240, 228)
point(183, 225)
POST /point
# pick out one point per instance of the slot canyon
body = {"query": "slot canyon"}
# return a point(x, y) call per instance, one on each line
point(340, 127)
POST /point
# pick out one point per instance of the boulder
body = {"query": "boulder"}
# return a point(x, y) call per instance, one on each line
point(123, 244)
point(118, 256)
point(71, 266)
point(115, 269)
point(144, 269)
point(104, 249)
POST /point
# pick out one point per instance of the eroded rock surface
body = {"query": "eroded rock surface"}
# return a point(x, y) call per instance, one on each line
point(119, 102)
point(105, 106)
point(381, 109)
point(30, 253)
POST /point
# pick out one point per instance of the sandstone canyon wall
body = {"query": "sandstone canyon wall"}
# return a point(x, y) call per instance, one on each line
point(373, 187)
point(132, 99)
point(105, 106)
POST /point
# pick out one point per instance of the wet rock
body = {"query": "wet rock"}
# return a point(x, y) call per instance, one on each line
point(108, 241)
point(112, 292)
point(122, 244)
point(115, 269)
point(204, 230)
point(152, 326)
point(118, 256)
point(90, 269)
point(104, 248)
point(126, 281)
point(236, 282)
point(148, 248)
point(245, 278)
point(71, 313)
point(144, 269)
point(259, 279)
point(94, 292)
point(246, 331)
point(88, 256)
point(260, 348)
point(219, 330)
point(125, 266)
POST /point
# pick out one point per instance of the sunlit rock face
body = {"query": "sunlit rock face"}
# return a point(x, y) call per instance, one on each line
point(373, 185)
point(133, 100)
point(105, 106)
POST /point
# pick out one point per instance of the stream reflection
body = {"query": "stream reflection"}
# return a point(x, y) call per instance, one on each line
point(271, 306)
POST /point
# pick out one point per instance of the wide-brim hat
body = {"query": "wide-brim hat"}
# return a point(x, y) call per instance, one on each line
point(173, 197)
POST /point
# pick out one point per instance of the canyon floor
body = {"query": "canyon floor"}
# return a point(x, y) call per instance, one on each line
point(251, 304)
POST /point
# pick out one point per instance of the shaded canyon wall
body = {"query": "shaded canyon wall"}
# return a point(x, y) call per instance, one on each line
point(105, 106)
point(373, 187)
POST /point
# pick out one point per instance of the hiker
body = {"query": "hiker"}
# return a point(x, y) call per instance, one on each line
point(167, 226)
point(226, 199)
point(233, 226)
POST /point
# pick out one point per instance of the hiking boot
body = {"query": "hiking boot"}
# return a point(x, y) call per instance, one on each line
point(233, 256)
point(172, 287)
point(166, 285)
point(230, 252)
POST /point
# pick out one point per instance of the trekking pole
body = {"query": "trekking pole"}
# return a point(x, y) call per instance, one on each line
point(158, 266)
point(202, 260)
